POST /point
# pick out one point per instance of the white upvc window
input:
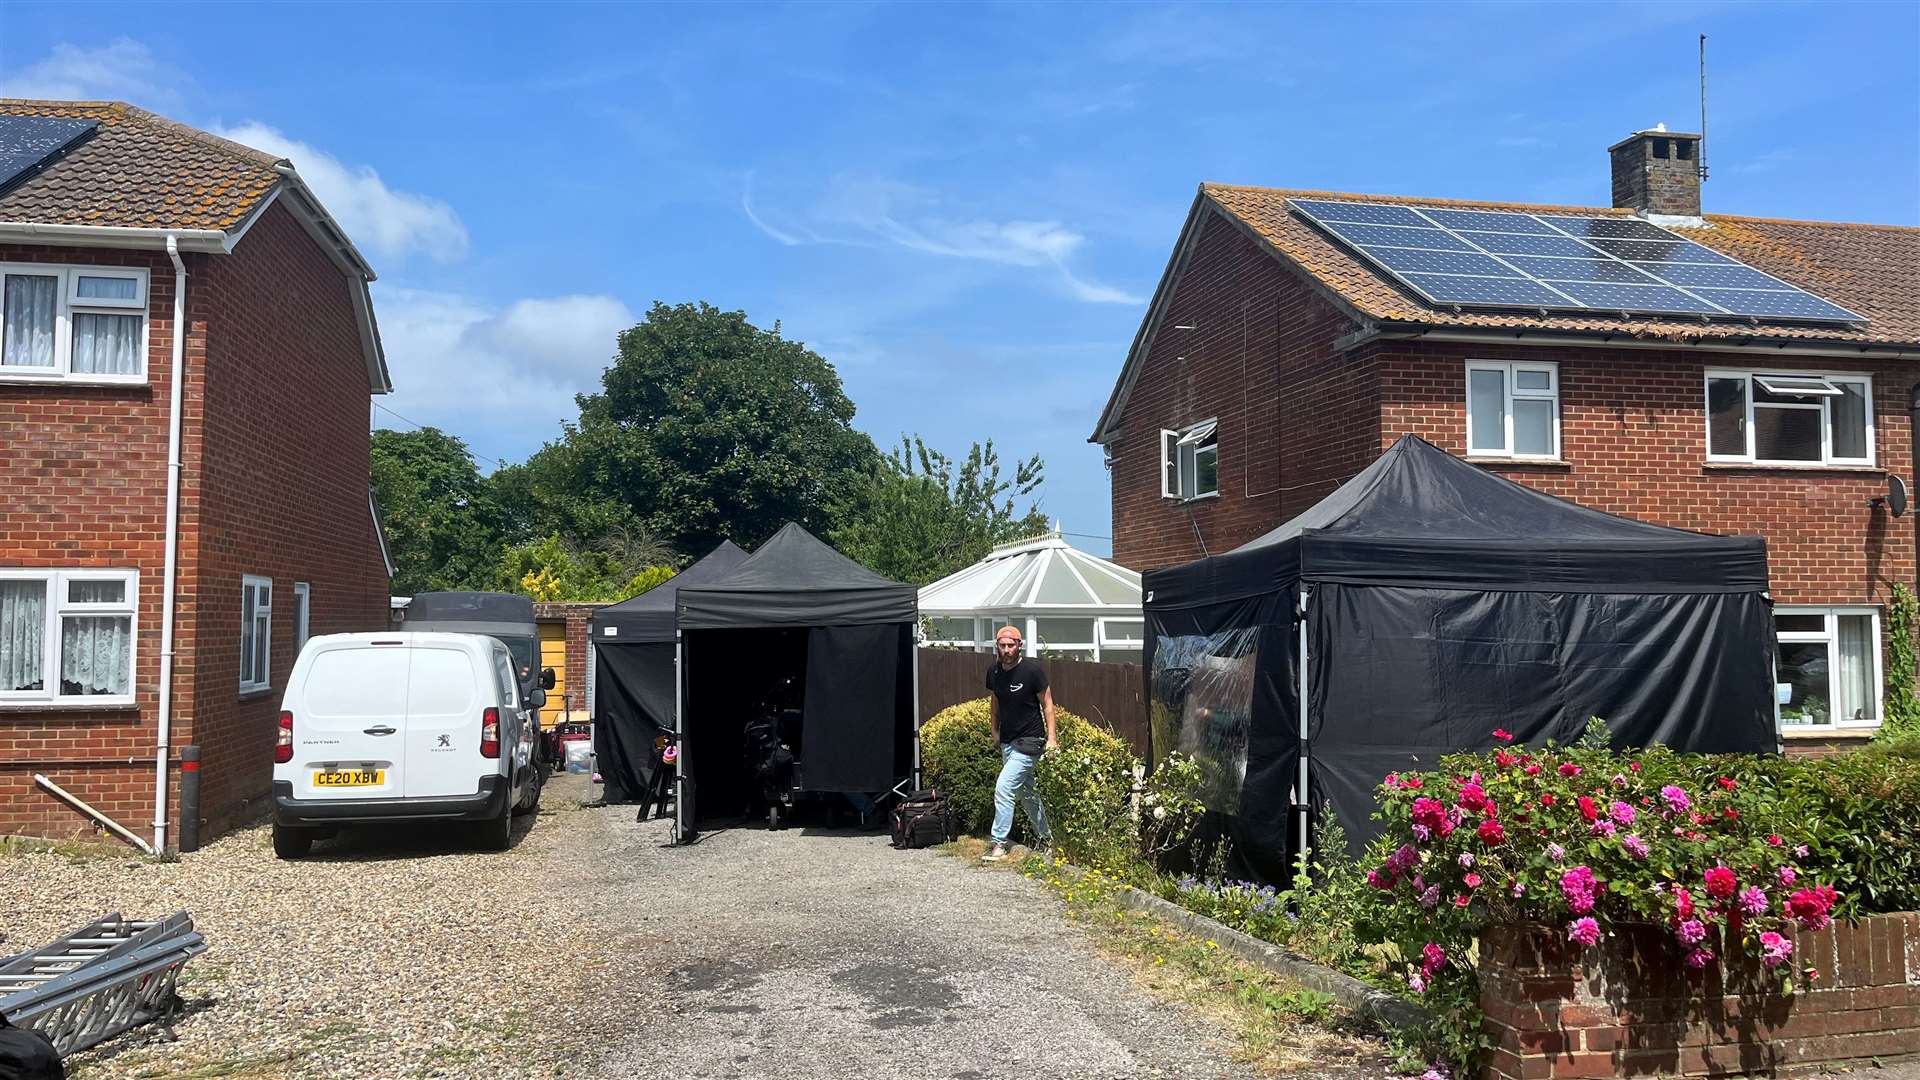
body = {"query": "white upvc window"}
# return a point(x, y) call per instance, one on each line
point(1513, 409)
point(1190, 461)
point(1790, 418)
point(67, 636)
point(1829, 663)
point(256, 633)
point(73, 323)
point(302, 606)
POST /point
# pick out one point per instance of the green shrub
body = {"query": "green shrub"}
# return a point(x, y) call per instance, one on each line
point(1170, 811)
point(1084, 787)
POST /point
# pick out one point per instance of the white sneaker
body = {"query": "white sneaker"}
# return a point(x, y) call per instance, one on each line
point(995, 853)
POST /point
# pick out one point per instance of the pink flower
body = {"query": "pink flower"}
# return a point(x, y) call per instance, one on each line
point(1403, 859)
point(1533, 768)
point(1428, 812)
point(1472, 880)
point(1584, 930)
point(1465, 859)
point(1635, 846)
point(1728, 783)
point(1430, 896)
point(1799, 851)
point(1633, 766)
point(1682, 902)
point(1621, 812)
point(1492, 833)
point(1774, 949)
point(1503, 734)
point(1519, 890)
point(1473, 796)
point(1676, 799)
point(1699, 958)
point(1774, 839)
point(1787, 877)
point(1432, 958)
point(1504, 760)
point(1556, 852)
point(1603, 827)
point(1568, 768)
point(1416, 983)
point(1588, 810)
point(1690, 932)
point(1378, 880)
point(1619, 780)
point(1753, 900)
point(1579, 887)
point(1812, 906)
point(1721, 883)
point(1461, 901)
point(1422, 833)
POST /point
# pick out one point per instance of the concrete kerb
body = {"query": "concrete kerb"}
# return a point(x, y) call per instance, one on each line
point(1369, 1003)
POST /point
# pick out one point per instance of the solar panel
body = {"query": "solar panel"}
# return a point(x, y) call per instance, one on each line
point(29, 143)
point(1556, 262)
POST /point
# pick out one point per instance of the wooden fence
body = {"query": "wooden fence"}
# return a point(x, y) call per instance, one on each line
point(1107, 694)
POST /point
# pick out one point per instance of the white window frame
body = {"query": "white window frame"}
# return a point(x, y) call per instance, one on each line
point(1180, 453)
point(1816, 399)
point(1830, 636)
point(69, 305)
point(255, 587)
point(1507, 369)
point(302, 614)
point(56, 606)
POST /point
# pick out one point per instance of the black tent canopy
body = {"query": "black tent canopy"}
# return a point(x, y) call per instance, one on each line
point(798, 601)
point(1434, 602)
point(633, 674)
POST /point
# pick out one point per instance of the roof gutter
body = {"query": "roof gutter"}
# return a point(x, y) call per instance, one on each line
point(1613, 339)
point(207, 241)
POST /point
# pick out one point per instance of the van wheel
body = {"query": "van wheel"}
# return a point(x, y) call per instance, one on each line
point(496, 834)
point(291, 843)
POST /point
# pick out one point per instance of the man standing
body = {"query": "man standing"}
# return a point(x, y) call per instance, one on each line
point(1022, 721)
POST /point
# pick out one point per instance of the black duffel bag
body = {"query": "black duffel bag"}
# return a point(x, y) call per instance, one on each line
point(26, 1054)
point(923, 819)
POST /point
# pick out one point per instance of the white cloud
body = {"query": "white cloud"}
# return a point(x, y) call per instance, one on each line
point(859, 211)
point(378, 219)
point(122, 70)
point(501, 377)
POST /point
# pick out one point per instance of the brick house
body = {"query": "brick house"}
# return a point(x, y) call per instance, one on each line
point(164, 286)
point(1277, 359)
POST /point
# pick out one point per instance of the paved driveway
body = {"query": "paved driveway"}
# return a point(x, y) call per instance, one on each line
point(816, 954)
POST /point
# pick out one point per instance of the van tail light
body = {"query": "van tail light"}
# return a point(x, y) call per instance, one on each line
point(490, 733)
point(283, 750)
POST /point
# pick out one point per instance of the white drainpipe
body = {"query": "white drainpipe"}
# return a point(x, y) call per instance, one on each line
point(163, 738)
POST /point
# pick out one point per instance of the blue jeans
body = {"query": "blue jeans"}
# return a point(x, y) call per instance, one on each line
point(1016, 782)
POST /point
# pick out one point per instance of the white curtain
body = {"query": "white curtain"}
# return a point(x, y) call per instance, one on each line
point(30, 314)
point(1853, 683)
point(106, 344)
point(94, 650)
point(23, 625)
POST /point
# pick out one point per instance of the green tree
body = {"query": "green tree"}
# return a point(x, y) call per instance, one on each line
point(442, 525)
point(915, 517)
point(551, 568)
point(706, 428)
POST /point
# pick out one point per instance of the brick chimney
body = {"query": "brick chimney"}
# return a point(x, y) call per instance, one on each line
point(1657, 173)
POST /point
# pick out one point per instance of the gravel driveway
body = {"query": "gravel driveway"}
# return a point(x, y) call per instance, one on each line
point(591, 949)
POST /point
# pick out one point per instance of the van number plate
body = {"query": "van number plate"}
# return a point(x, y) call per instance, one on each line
point(352, 778)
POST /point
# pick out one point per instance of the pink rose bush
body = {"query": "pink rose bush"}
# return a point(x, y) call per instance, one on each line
point(1588, 840)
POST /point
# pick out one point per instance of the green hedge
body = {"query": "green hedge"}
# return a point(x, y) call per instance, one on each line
point(1084, 786)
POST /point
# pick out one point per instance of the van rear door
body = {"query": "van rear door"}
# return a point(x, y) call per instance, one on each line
point(443, 721)
point(351, 709)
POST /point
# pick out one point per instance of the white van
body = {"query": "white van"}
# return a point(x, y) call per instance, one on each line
point(402, 727)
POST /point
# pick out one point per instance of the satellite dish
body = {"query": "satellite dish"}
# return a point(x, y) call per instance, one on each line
point(1896, 495)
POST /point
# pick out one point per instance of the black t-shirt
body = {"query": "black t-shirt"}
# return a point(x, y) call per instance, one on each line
point(1019, 693)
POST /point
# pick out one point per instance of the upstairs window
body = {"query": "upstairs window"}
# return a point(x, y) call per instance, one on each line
point(1778, 418)
point(1513, 409)
point(1190, 461)
point(85, 323)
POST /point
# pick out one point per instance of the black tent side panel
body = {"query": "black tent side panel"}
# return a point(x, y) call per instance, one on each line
point(633, 704)
point(852, 726)
point(1400, 676)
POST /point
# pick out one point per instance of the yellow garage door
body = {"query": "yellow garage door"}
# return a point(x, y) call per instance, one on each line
point(553, 654)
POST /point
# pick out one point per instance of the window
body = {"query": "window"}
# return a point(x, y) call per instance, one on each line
point(302, 598)
point(1777, 418)
point(1830, 663)
point(256, 633)
point(1513, 410)
point(503, 676)
point(1190, 461)
point(67, 636)
point(87, 323)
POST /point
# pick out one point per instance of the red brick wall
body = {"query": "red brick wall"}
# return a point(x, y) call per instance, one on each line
point(286, 427)
point(83, 482)
point(1629, 1007)
point(1295, 418)
point(576, 617)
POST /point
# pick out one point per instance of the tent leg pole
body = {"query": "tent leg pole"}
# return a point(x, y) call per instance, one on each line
point(1305, 802)
point(914, 651)
point(680, 823)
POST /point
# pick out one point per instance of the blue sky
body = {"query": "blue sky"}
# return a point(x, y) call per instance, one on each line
point(964, 208)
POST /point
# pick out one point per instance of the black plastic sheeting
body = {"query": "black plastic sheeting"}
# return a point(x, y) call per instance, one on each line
point(1445, 602)
point(633, 706)
point(795, 580)
point(852, 716)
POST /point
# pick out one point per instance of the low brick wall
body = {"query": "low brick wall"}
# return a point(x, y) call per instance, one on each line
point(1629, 1007)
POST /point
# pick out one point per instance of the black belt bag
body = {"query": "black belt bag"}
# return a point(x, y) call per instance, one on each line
point(1030, 745)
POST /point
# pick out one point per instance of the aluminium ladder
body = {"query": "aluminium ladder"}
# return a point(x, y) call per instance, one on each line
point(112, 975)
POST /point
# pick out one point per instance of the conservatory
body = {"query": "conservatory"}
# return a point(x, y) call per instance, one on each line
point(1067, 603)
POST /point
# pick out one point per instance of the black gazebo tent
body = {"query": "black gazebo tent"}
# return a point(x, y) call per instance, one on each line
point(798, 605)
point(633, 674)
point(1435, 602)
